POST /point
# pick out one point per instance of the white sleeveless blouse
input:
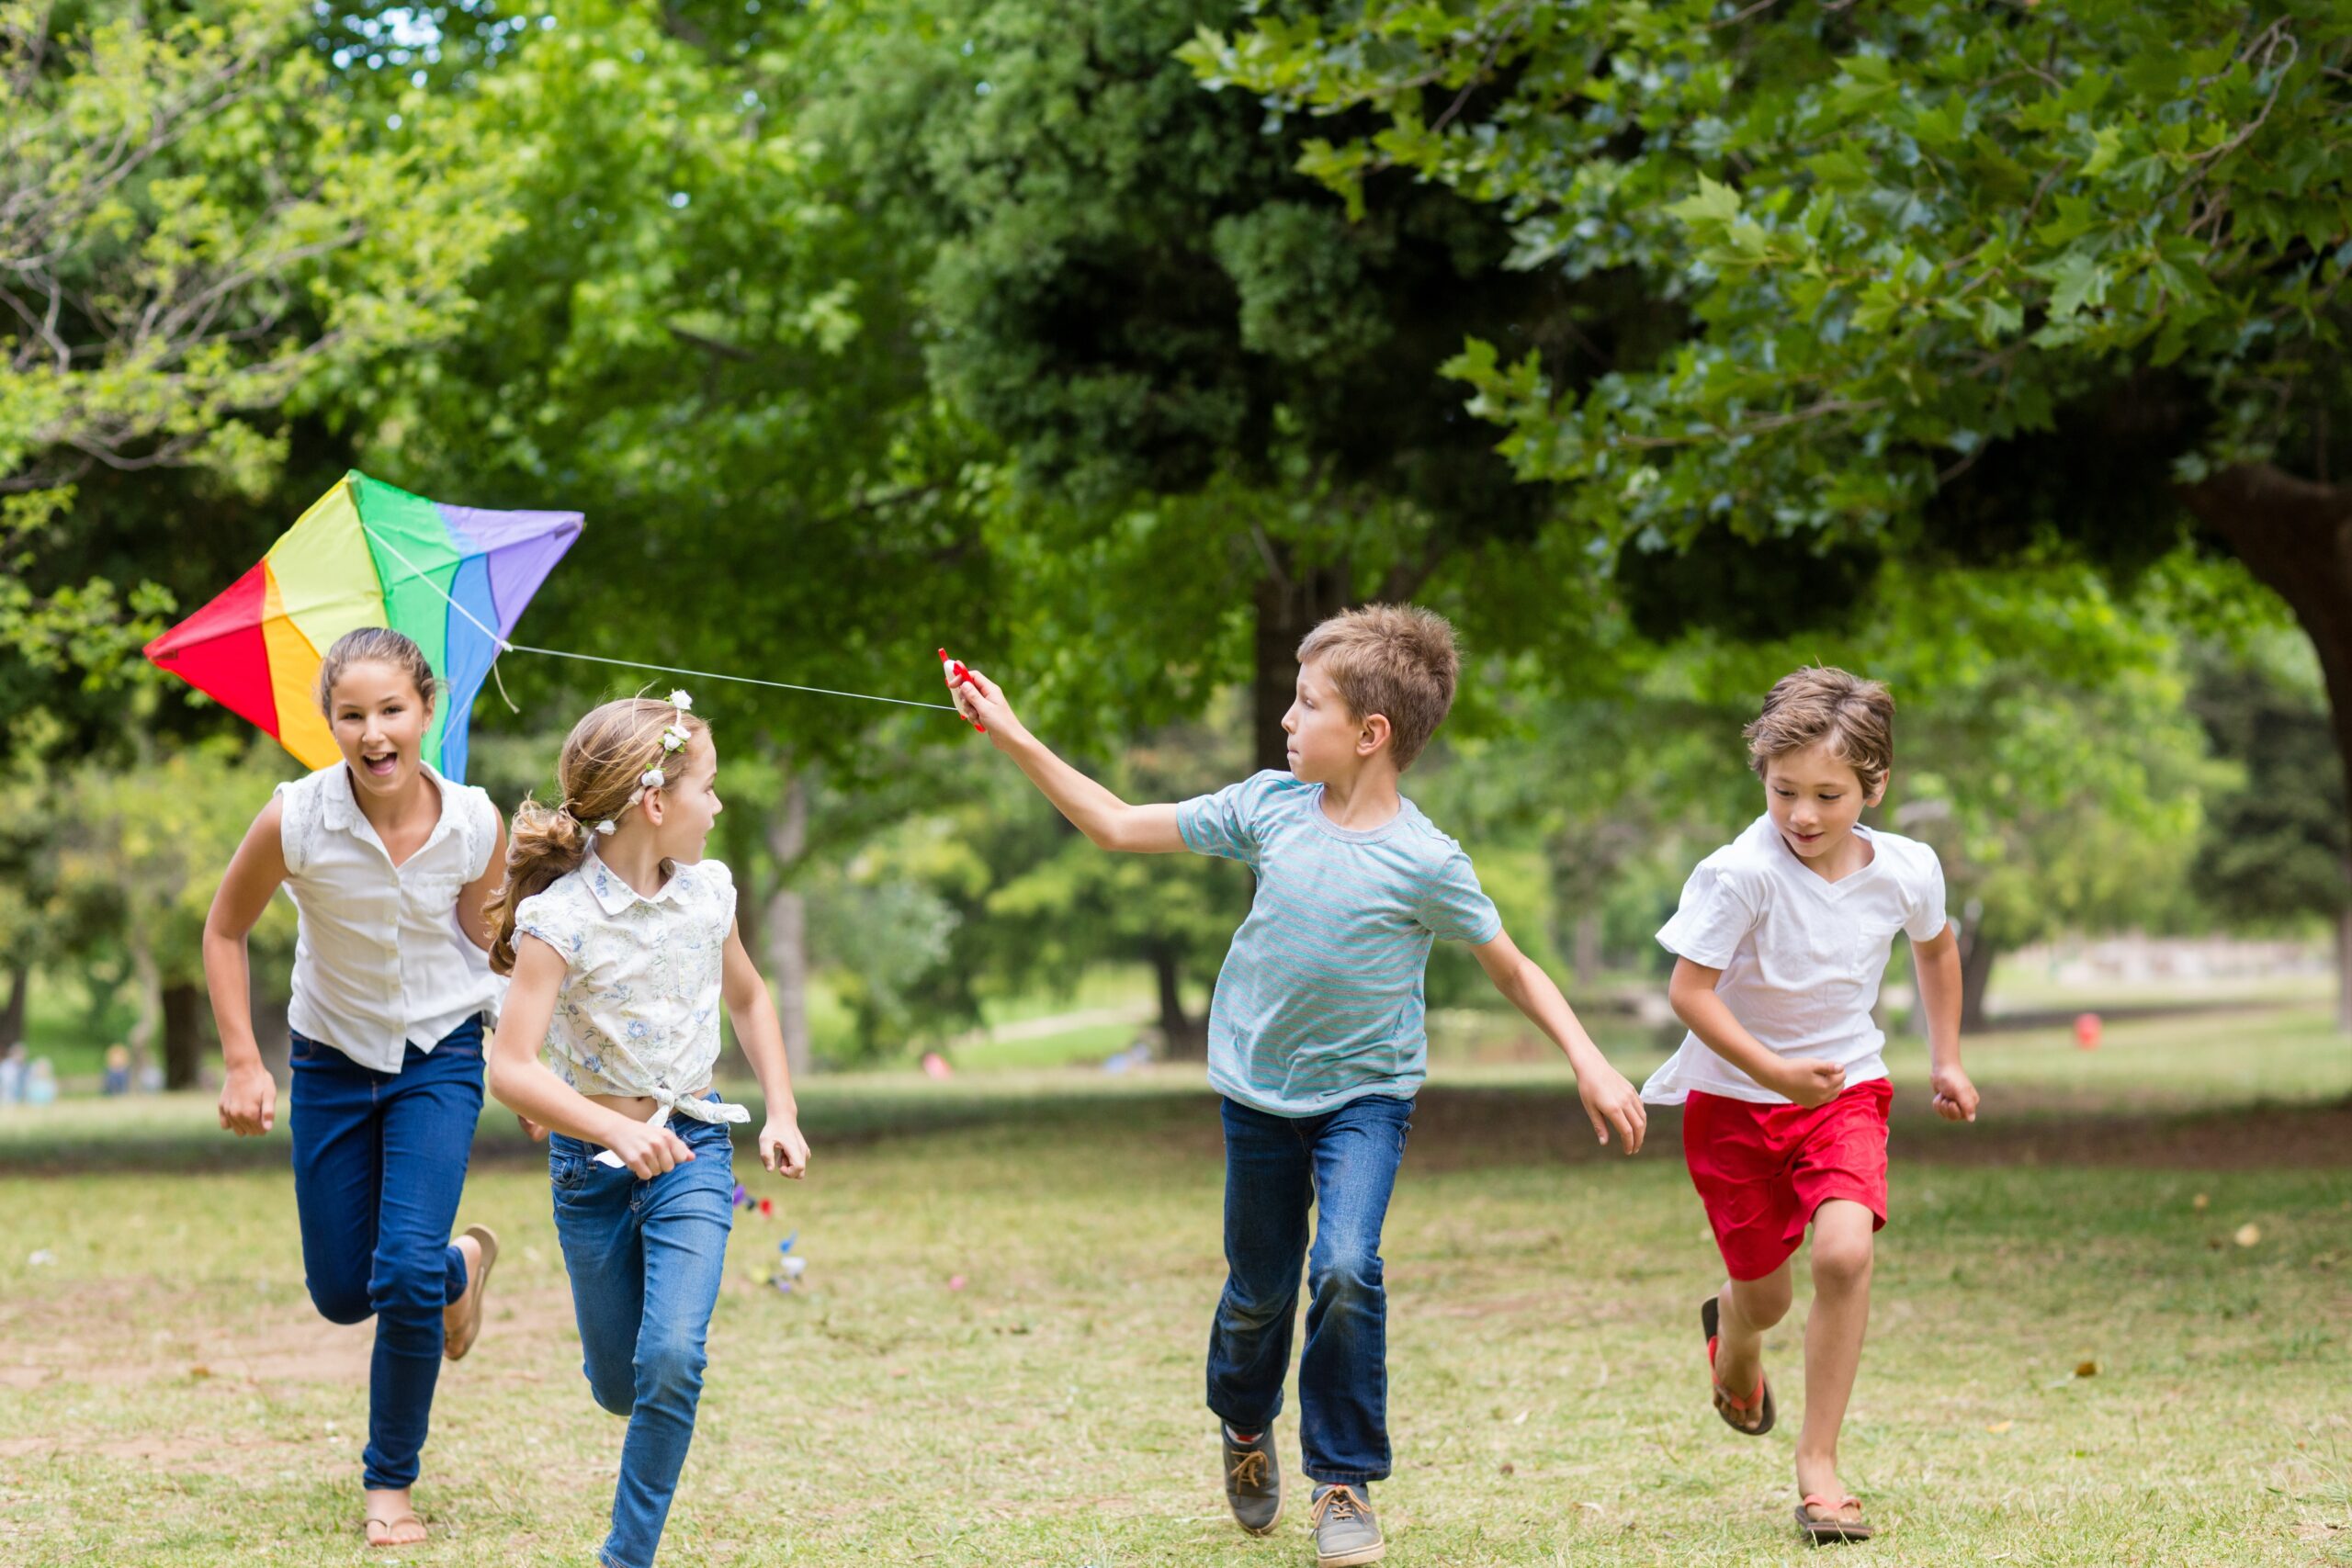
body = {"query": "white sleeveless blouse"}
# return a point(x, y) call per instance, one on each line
point(379, 962)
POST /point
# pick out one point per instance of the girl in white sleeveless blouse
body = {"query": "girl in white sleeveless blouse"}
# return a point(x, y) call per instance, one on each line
point(622, 943)
point(391, 867)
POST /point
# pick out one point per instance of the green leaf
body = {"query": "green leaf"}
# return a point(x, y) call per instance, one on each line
point(1715, 203)
point(2076, 281)
point(2106, 147)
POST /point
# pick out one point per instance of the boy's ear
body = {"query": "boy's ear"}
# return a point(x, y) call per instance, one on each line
point(1878, 791)
point(1373, 734)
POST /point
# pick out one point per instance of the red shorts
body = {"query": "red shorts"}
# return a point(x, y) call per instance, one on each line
point(1761, 1170)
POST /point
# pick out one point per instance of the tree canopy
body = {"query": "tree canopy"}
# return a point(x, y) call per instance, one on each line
point(1982, 282)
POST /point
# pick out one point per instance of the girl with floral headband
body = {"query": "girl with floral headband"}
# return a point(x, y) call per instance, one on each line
point(622, 945)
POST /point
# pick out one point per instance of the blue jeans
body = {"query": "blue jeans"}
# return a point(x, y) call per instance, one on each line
point(645, 1259)
point(1343, 1162)
point(379, 1161)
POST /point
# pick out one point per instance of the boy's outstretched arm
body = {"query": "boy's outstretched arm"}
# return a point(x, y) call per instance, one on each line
point(1608, 1099)
point(1102, 817)
point(1937, 962)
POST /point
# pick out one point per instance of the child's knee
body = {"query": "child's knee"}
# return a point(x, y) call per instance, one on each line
point(1765, 1301)
point(1345, 1275)
point(670, 1366)
point(345, 1302)
point(1246, 1308)
point(615, 1396)
point(1841, 1262)
point(412, 1282)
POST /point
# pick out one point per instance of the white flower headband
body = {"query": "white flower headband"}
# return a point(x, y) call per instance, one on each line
point(674, 737)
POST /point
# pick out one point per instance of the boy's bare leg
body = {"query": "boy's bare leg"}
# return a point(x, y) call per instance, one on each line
point(1745, 1308)
point(1833, 1340)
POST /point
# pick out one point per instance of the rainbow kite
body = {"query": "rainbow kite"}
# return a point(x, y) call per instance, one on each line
point(368, 555)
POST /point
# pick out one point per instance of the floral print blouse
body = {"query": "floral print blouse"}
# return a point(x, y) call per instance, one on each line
point(637, 1012)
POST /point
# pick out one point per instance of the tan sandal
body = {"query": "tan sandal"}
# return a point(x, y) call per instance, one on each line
point(1832, 1530)
point(455, 1343)
point(1734, 1410)
point(390, 1524)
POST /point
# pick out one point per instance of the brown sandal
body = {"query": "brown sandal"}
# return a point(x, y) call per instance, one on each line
point(389, 1526)
point(1729, 1405)
point(1833, 1530)
point(457, 1344)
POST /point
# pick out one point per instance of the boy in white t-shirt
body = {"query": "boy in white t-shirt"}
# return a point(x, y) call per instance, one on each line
point(1780, 943)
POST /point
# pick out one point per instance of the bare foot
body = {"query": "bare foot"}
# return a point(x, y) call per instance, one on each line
point(390, 1520)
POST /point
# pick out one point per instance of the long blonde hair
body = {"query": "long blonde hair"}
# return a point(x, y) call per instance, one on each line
point(603, 756)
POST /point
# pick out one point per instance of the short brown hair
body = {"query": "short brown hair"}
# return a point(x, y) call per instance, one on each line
point(1394, 660)
point(1854, 715)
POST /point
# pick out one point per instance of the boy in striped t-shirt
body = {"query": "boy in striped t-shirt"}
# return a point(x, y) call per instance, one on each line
point(1316, 1040)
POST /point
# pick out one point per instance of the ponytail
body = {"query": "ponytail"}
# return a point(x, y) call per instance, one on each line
point(542, 846)
point(604, 772)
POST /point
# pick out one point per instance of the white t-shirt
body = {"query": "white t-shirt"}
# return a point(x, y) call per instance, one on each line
point(379, 962)
point(1800, 955)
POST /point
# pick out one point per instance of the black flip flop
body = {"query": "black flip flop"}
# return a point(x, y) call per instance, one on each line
point(1833, 1530)
point(1709, 1319)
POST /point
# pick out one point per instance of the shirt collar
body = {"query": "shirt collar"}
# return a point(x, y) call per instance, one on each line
point(343, 808)
point(611, 891)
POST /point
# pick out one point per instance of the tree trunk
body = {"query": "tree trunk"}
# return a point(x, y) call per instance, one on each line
point(2343, 973)
point(2295, 536)
point(1588, 959)
point(1976, 955)
point(1187, 1037)
point(12, 1017)
point(1288, 608)
point(148, 1027)
point(183, 1033)
point(786, 919)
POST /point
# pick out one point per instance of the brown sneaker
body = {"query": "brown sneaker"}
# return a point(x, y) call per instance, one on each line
point(462, 1324)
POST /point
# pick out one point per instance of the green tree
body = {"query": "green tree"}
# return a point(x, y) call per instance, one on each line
point(2275, 848)
point(1218, 395)
point(1055, 905)
point(198, 233)
point(135, 864)
point(1980, 283)
point(683, 330)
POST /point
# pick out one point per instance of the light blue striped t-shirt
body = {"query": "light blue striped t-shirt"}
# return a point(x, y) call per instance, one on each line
point(1320, 1000)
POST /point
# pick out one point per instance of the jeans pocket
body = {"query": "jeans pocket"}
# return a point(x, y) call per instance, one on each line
point(567, 1163)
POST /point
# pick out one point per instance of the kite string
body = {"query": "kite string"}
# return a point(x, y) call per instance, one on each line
point(505, 647)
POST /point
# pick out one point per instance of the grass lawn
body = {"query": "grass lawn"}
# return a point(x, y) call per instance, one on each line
point(167, 1397)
